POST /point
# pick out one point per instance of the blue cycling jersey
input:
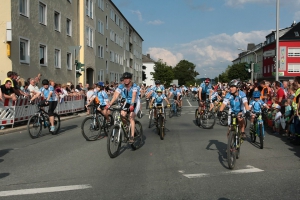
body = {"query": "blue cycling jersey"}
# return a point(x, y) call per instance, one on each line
point(236, 103)
point(256, 105)
point(214, 96)
point(45, 92)
point(159, 99)
point(127, 94)
point(175, 92)
point(103, 98)
point(205, 88)
point(154, 88)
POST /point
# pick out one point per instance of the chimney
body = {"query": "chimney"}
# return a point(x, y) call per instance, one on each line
point(250, 46)
point(148, 55)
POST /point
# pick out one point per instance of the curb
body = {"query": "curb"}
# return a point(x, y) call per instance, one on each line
point(24, 127)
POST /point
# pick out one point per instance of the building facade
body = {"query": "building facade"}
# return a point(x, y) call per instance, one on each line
point(149, 67)
point(47, 36)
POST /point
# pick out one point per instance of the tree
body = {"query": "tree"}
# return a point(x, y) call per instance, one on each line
point(185, 72)
point(163, 72)
point(237, 71)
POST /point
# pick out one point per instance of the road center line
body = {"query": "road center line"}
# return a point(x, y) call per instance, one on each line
point(43, 190)
point(196, 175)
point(189, 102)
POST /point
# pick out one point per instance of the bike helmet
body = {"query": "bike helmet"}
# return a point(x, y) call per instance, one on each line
point(158, 90)
point(45, 82)
point(235, 83)
point(127, 75)
point(256, 94)
point(157, 82)
point(100, 84)
point(207, 80)
point(121, 79)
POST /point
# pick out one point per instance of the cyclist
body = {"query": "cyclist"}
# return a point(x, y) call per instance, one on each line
point(214, 97)
point(203, 92)
point(238, 102)
point(158, 99)
point(50, 99)
point(155, 87)
point(194, 90)
point(129, 91)
point(255, 105)
point(103, 101)
point(176, 95)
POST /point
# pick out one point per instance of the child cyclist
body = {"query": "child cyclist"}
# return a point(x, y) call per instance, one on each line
point(255, 106)
point(103, 101)
point(158, 99)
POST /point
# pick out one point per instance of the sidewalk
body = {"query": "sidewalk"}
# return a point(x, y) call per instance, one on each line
point(23, 125)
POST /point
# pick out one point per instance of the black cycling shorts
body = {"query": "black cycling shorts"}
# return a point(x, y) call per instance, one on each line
point(52, 106)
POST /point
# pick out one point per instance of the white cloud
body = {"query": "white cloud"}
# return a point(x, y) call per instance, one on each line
point(156, 22)
point(211, 55)
point(167, 56)
point(138, 13)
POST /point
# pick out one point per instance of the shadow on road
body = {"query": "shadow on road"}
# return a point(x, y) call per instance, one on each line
point(66, 128)
point(221, 148)
point(3, 175)
point(3, 152)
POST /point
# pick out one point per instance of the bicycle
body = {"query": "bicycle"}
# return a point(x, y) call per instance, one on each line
point(41, 119)
point(160, 121)
point(234, 141)
point(92, 126)
point(205, 116)
point(174, 110)
point(258, 130)
point(121, 132)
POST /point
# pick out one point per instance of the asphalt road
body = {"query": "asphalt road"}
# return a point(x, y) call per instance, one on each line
point(189, 164)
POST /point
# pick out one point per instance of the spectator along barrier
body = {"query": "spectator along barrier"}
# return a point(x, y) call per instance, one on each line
point(21, 110)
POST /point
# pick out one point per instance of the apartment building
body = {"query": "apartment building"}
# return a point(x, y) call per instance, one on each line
point(47, 36)
point(111, 46)
point(36, 36)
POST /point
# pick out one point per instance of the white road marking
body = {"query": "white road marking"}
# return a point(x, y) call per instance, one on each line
point(43, 190)
point(189, 102)
point(250, 169)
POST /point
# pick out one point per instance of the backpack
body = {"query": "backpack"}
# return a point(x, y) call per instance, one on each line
point(96, 100)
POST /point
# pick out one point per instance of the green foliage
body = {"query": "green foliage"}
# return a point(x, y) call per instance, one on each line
point(237, 71)
point(163, 72)
point(185, 72)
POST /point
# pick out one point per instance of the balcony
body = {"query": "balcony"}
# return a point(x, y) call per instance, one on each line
point(130, 40)
point(131, 56)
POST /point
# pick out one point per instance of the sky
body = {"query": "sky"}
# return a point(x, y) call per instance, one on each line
point(207, 33)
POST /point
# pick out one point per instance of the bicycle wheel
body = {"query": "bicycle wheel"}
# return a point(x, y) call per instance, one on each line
point(34, 126)
point(107, 126)
point(231, 150)
point(162, 128)
point(196, 117)
point(151, 113)
point(224, 118)
point(114, 141)
point(56, 124)
point(252, 134)
point(208, 120)
point(147, 104)
point(171, 112)
point(90, 128)
point(261, 136)
point(138, 136)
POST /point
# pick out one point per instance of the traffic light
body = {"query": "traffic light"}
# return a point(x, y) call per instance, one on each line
point(255, 68)
point(79, 68)
point(248, 67)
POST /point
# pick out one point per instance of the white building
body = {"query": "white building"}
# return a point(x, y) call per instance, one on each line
point(149, 67)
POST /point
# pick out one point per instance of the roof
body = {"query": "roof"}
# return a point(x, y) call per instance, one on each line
point(290, 35)
point(147, 59)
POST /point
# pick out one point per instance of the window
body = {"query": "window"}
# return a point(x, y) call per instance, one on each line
point(293, 52)
point(57, 21)
point(89, 8)
point(69, 61)
point(57, 58)
point(23, 7)
point(106, 45)
point(69, 27)
point(101, 75)
point(112, 14)
point(89, 36)
point(43, 55)
point(296, 33)
point(42, 13)
point(121, 24)
point(24, 51)
point(100, 51)
point(70, 1)
point(106, 23)
point(101, 27)
point(101, 4)
point(293, 67)
point(112, 56)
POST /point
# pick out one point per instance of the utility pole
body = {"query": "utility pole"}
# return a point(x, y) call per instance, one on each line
point(277, 41)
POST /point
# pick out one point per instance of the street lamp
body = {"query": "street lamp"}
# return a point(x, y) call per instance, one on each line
point(252, 63)
point(277, 40)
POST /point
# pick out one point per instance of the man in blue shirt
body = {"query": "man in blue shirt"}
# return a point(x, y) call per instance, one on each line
point(203, 92)
point(237, 101)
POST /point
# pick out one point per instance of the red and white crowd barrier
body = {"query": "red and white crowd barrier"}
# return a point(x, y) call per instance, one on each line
point(21, 110)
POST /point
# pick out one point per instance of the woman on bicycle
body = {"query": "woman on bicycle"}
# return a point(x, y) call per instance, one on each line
point(238, 102)
point(158, 99)
point(48, 93)
point(128, 90)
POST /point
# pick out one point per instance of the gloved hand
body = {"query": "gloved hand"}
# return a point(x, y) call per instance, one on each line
point(168, 105)
point(151, 107)
point(247, 114)
point(131, 108)
point(219, 114)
